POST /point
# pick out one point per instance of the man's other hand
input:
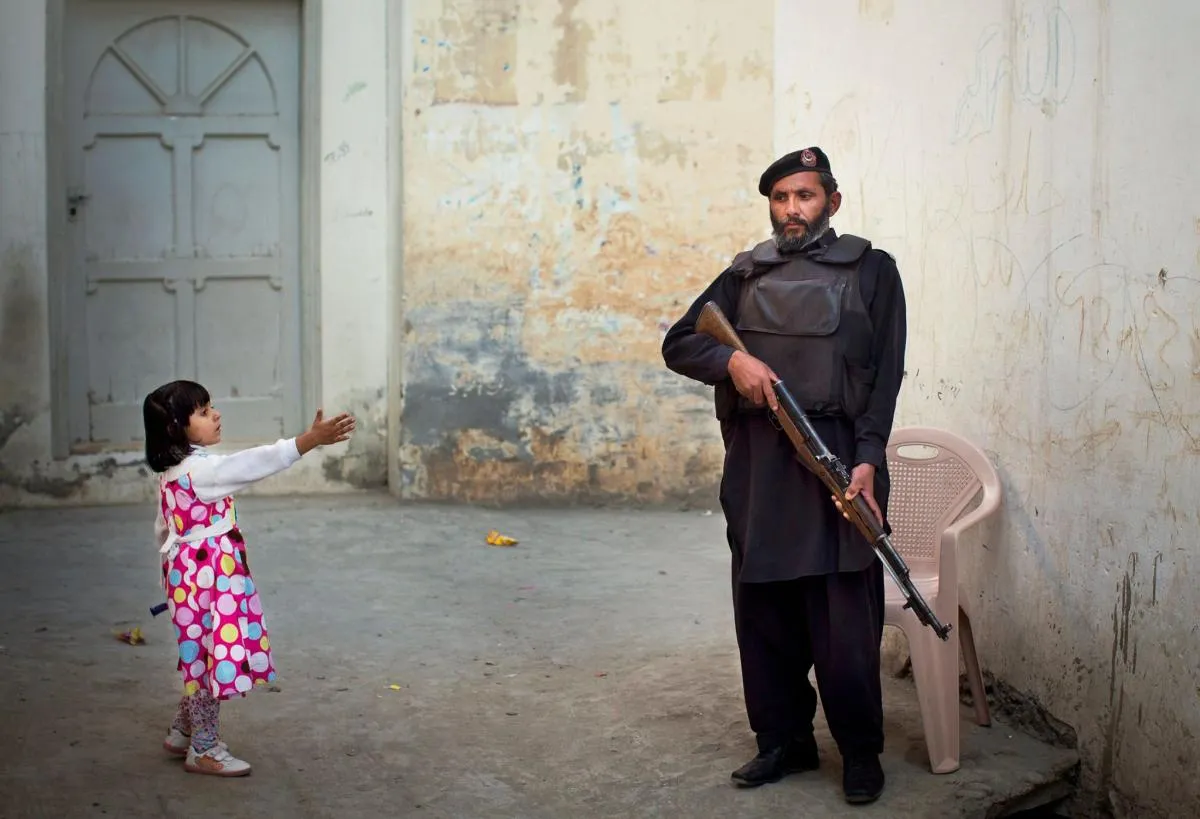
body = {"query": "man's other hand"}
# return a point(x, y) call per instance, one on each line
point(862, 480)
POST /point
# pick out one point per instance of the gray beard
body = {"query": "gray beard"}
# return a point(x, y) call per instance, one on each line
point(794, 244)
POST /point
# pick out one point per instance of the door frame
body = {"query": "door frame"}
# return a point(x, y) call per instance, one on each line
point(309, 229)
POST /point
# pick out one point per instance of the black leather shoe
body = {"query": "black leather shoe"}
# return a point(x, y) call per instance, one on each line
point(771, 766)
point(862, 778)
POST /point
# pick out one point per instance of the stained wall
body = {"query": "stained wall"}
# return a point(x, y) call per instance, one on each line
point(575, 173)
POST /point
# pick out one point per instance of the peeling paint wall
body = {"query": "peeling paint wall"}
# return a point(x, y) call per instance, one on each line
point(352, 318)
point(1029, 164)
point(575, 174)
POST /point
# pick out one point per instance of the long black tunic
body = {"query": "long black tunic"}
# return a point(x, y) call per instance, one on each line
point(782, 523)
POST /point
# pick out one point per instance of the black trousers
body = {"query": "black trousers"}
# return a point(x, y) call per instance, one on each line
point(833, 622)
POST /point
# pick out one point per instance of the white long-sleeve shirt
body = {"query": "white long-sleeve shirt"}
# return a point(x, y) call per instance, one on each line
point(215, 476)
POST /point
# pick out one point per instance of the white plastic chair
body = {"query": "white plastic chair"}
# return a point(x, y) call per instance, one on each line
point(935, 475)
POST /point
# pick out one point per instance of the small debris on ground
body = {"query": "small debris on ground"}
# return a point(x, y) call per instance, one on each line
point(132, 636)
point(494, 538)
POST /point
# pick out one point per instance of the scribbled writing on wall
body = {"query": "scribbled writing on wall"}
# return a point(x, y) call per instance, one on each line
point(1034, 61)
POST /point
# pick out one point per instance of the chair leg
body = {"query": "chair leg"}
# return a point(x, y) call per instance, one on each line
point(966, 639)
point(935, 671)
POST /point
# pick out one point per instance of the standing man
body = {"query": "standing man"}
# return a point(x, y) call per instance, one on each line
point(826, 314)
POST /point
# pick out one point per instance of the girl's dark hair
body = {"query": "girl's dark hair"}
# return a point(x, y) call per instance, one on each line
point(166, 413)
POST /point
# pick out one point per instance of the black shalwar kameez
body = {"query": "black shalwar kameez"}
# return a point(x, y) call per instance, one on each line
point(807, 587)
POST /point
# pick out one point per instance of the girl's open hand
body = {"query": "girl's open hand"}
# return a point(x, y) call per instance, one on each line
point(325, 431)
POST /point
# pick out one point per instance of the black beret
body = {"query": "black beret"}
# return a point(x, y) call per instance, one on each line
point(806, 159)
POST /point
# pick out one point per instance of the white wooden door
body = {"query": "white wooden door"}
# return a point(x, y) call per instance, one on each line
point(182, 135)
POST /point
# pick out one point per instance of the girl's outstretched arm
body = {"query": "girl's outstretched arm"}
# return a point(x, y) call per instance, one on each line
point(216, 476)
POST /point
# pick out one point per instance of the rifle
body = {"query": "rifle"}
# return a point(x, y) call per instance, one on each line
point(831, 471)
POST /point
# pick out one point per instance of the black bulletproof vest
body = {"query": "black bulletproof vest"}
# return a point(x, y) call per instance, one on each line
point(805, 317)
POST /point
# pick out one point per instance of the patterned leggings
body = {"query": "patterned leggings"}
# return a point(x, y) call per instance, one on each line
point(198, 715)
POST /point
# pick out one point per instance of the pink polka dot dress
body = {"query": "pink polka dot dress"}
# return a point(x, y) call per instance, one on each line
point(214, 604)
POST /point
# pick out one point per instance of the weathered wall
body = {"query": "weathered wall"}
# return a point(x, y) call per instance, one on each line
point(357, 217)
point(352, 317)
point(575, 173)
point(1032, 173)
point(24, 318)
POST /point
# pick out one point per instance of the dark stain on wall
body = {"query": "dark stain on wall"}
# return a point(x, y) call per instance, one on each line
point(364, 464)
point(22, 339)
point(460, 377)
point(482, 422)
point(11, 419)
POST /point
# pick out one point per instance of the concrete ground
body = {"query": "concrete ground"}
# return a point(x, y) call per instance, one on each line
point(589, 671)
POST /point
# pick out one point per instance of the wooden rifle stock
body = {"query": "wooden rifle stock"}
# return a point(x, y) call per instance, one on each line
point(817, 458)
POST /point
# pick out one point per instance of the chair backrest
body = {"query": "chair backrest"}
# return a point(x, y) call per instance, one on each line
point(935, 476)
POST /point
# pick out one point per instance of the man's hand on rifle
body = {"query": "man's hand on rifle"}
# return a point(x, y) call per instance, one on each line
point(862, 479)
point(753, 379)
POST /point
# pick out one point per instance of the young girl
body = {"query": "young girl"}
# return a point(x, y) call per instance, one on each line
point(214, 604)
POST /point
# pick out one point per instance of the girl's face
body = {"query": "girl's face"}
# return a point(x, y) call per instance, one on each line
point(204, 427)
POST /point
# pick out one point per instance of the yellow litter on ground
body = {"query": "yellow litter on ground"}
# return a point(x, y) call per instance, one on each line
point(494, 538)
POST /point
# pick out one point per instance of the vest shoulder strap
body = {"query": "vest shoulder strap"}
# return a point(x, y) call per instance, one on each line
point(742, 265)
point(846, 250)
point(756, 260)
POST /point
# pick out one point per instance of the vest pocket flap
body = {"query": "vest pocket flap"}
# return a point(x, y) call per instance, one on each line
point(792, 308)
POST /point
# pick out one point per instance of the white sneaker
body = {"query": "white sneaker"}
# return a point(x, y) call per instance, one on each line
point(216, 761)
point(177, 743)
